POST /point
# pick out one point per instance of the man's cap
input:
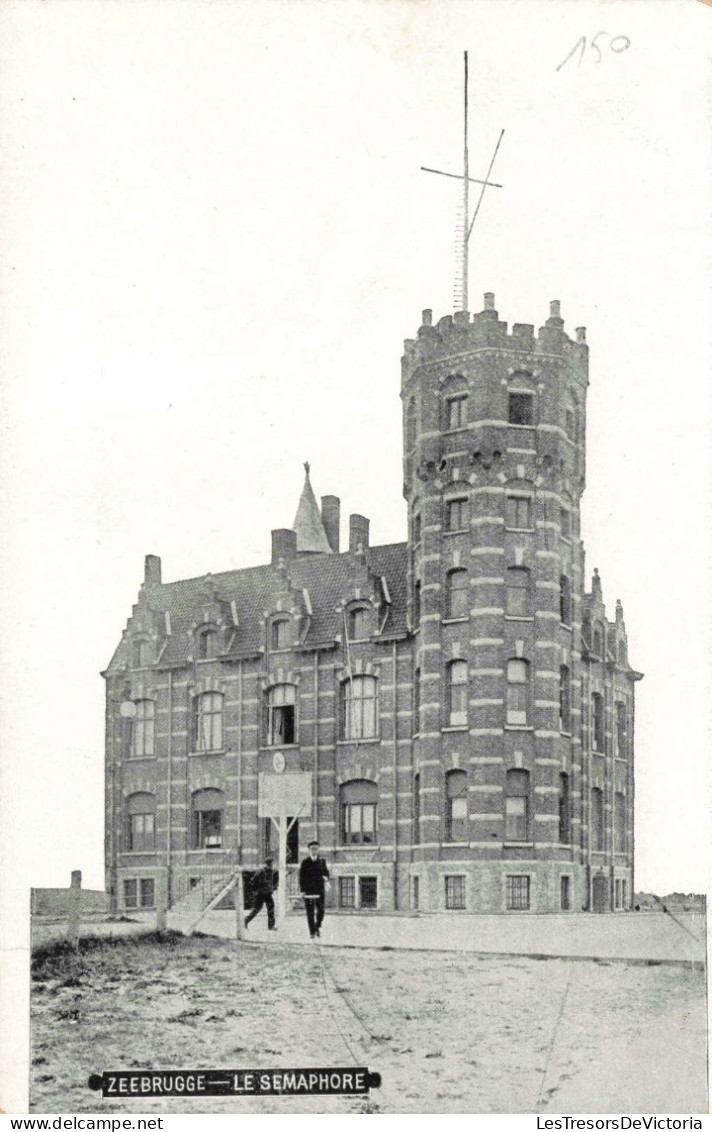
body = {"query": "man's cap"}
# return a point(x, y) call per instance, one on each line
point(269, 860)
point(313, 843)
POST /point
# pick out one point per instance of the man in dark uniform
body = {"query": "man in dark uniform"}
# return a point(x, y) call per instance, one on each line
point(264, 883)
point(312, 875)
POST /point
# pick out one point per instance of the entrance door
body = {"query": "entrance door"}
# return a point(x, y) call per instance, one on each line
point(600, 894)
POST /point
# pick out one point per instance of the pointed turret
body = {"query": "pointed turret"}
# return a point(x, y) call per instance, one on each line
point(308, 525)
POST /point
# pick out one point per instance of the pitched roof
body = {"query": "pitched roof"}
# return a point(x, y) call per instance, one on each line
point(311, 536)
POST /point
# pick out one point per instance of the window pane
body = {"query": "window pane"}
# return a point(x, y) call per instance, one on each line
point(457, 586)
point(456, 412)
point(521, 409)
point(368, 892)
point(457, 515)
point(347, 892)
point(517, 889)
point(454, 892)
point(130, 894)
point(147, 893)
point(518, 511)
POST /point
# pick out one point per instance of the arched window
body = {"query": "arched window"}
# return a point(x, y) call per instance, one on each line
point(597, 721)
point(517, 691)
point(359, 623)
point(143, 729)
point(518, 512)
point(516, 806)
point(416, 702)
point(457, 594)
point(564, 600)
point(619, 819)
point(280, 633)
point(416, 604)
point(621, 729)
point(456, 515)
point(359, 708)
point(564, 810)
point(141, 652)
point(209, 722)
point(417, 527)
point(597, 643)
point(456, 806)
point(359, 804)
point(564, 698)
point(517, 602)
point(141, 820)
point(416, 809)
point(411, 425)
point(456, 411)
point(596, 820)
point(457, 693)
point(521, 408)
point(281, 728)
point(207, 819)
point(207, 644)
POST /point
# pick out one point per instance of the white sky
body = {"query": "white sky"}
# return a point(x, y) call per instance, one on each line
point(215, 238)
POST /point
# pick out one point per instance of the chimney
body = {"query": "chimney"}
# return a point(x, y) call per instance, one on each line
point(284, 544)
point(358, 531)
point(152, 570)
point(489, 300)
point(427, 317)
point(330, 517)
point(580, 333)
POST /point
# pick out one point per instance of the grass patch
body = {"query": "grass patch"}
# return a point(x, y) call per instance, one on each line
point(59, 958)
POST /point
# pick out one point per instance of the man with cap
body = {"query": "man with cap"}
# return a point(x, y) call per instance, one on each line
point(264, 883)
point(312, 876)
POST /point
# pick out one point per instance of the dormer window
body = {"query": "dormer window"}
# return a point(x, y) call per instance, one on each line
point(359, 624)
point(207, 644)
point(141, 652)
point(280, 634)
point(521, 408)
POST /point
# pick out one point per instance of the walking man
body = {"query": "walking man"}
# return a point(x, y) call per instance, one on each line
point(264, 883)
point(312, 876)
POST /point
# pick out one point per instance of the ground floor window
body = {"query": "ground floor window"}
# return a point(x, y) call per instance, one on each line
point(621, 892)
point(358, 892)
point(455, 893)
point(518, 893)
point(415, 893)
point(139, 893)
point(566, 894)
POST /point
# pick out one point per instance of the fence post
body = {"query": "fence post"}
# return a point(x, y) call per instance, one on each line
point(75, 905)
point(239, 907)
point(161, 909)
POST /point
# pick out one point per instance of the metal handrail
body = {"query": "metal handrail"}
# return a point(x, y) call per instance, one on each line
point(207, 872)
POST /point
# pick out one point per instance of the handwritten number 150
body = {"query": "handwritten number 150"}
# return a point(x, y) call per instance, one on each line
point(616, 44)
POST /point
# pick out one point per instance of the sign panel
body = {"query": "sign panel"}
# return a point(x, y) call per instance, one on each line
point(285, 794)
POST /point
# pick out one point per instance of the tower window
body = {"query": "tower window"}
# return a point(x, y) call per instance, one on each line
point(565, 522)
point(564, 600)
point(457, 593)
point(456, 799)
point(597, 820)
point(621, 729)
point(619, 827)
point(416, 809)
point(456, 515)
point(564, 698)
point(597, 721)
point(518, 512)
point(416, 527)
point(457, 693)
point(517, 595)
point(456, 411)
point(521, 408)
point(516, 806)
point(416, 702)
point(517, 692)
point(416, 604)
point(564, 810)
point(281, 715)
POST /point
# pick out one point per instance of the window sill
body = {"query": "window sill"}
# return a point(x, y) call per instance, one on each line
point(217, 751)
point(139, 758)
point(520, 530)
point(565, 625)
point(138, 852)
point(517, 424)
point(459, 531)
point(208, 849)
point(518, 727)
point(517, 844)
point(455, 620)
point(359, 846)
point(457, 428)
point(456, 845)
point(279, 747)
point(354, 741)
point(456, 727)
point(565, 734)
point(517, 617)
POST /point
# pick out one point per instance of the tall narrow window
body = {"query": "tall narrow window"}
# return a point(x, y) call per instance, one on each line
point(516, 806)
point(517, 692)
point(622, 653)
point(456, 806)
point(517, 893)
point(457, 594)
point(597, 644)
point(141, 811)
point(521, 408)
point(417, 527)
point(619, 822)
point(597, 832)
point(359, 627)
point(143, 731)
point(359, 716)
point(207, 819)
point(416, 809)
point(621, 730)
point(141, 648)
point(565, 522)
point(565, 893)
point(359, 803)
point(457, 693)
point(518, 512)
point(416, 605)
point(411, 425)
point(564, 600)
point(209, 722)
point(281, 715)
point(416, 702)
point(517, 602)
point(456, 515)
point(597, 721)
point(456, 411)
point(564, 810)
point(207, 644)
point(280, 633)
point(564, 698)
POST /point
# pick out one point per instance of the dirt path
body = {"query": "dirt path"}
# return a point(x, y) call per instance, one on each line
point(447, 1032)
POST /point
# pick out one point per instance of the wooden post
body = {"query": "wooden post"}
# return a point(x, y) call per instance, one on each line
point(282, 889)
point(75, 906)
point(239, 907)
point(161, 911)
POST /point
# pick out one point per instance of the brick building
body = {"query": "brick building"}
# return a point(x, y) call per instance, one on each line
point(463, 707)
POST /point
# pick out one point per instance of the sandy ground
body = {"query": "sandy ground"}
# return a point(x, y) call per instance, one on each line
point(448, 1032)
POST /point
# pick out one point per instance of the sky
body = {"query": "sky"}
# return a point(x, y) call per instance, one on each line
point(216, 236)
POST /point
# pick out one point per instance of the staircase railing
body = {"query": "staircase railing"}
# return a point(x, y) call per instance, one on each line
point(207, 873)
